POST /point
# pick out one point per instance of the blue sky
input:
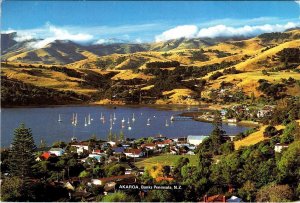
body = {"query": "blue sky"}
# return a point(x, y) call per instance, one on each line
point(92, 21)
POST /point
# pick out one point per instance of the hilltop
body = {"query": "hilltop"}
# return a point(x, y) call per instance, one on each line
point(181, 71)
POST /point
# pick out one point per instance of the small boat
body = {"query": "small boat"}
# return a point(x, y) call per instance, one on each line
point(172, 118)
point(123, 120)
point(123, 126)
point(101, 116)
point(128, 121)
point(148, 121)
point(85, 123)
point(115, 117)
point(129, 128)
point(133, 119)
point(167, 124)
point(59, 118)
point(89, 119)
point(73, 119)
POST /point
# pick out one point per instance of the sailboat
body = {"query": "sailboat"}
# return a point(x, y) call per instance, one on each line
point(89, 119)
point(172, 118)
point(123, 120)
point(85, 123)
point(75, 122)
point(133, 119)
point(115, 117)
point(167, 124)
point(129, 128)
point(101, 117)
point(73, 119)
point(59, 118)
point(111, 123)
point(148, 121)
point(128, 121)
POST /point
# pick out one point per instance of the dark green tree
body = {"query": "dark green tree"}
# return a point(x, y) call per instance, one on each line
point(22, 157)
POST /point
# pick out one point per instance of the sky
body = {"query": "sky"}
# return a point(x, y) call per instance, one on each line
point(145, 21)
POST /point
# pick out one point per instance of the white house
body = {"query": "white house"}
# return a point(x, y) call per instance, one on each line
point(57, 151)
point(81, 147)
point(279, 147)
point(134, 153)
point(196, 139)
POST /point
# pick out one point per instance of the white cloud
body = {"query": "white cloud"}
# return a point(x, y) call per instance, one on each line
point(297, 2)
point(221, 30)
point(227, 31)
point(187, 31)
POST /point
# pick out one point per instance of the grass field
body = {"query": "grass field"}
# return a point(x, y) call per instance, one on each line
point(253, 138)
point(165, 159)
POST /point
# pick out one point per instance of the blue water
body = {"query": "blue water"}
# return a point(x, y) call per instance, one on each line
point(44, 123)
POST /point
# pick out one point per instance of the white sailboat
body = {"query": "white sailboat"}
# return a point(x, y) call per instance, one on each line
point(73, 119)
point(89, 119)
point(128, 121)
point(129, 128)
point(133, 119)
point(123, 120)
point(115, 117)
point(111, 123)
point(75, 122)
point(167, 124)
point(85, 122)
point(148, 121)
point(59, 118)
point(101, 116)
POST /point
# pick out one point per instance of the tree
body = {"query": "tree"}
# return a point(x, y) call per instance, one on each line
point(274, 193)
point(248, 191)
point(115, 170)
point(11, 189)
point(289, 164)
point(270, 131)
point(122, 137)
point(22, 157)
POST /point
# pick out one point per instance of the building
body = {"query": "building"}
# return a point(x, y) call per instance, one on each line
point(81, 146)
point(134, 153)
point(164, 143)
point(279, 147)
point(45, 156)
point(57, 151)
point(196, 139)
point(150, 146)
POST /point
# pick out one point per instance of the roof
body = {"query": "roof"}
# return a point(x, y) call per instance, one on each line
point(234, 199)
point(283, 145)
point(56, 149)
point(133, 151)
point(46, 155)
point(197, 137)
point(116, 178)
point(119, 149)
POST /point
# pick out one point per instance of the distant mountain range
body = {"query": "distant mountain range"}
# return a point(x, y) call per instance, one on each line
point(62, 52)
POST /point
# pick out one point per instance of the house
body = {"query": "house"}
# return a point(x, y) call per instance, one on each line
point(81, 146)
point(196, 139)
point(118, 150)
point(164, 143)
point(150, 146)
point(97, 151)
point(112, 143)
point(265, 111)
point(279, 147)
point(57, 151)
point(45, 156)
point(232, 120)
point(114, 179)
point(134, 153)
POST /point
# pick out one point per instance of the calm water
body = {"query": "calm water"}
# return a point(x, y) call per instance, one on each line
point(44, 123)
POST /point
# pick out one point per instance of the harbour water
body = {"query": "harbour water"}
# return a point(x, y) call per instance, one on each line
point(45, 124)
